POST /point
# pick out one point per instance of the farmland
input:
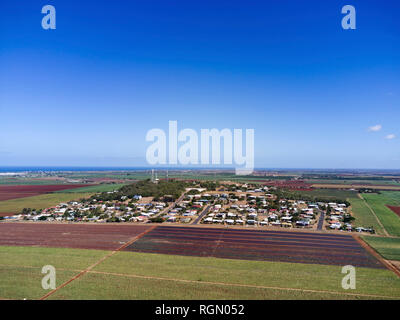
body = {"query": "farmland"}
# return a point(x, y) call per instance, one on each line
point(22, 191)
point(81, 236)
point(327, 193)
point(357, 186)
point(42, 201)
point(364, 216)
point(388, 218)
point(389, 248)
point(94, 189)
point(395, 209)
point(134, 260)
point(131, 275)
point(350, 182)
point(14, 198)
point(256, 245)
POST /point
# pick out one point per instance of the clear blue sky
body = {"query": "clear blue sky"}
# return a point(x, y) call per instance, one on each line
point(86, 93)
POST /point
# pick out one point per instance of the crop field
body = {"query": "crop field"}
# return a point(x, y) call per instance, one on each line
point(63, 235)
point(110, 272)
point(14, 206)
point(132, 275)
point(370, 183)
point(364, 216)
point(395, 209)
point(328, 193)
point(22, 191)
point(29, 181)
point(256, 245)
point(378, 203)
point(389, 248)
point(94, 189)
point(291, 185)
point(357, 186)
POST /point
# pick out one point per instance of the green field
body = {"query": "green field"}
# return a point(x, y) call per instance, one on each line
point(364, 216)
point(128, 275)
point(28, 181)
point(21, 267)
point(388, 218)
point(389, 248)
point(94, 189)
point(39, 202)
point(353, 181)
point(327, 193)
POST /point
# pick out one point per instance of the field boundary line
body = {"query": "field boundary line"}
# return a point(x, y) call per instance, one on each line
point(218, 242)
point(242, 285)
point(98, 262)
point(371, 250)
point(373, 212)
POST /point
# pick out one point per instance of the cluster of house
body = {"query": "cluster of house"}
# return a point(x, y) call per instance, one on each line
point(336, 217)
point(255, 210)
point(243, 205)
point(137, 209)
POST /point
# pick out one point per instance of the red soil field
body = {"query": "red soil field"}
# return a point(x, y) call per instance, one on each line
point(80, 236)
point(396, 210)
point(22, 191)
point(261, 245)
point(289, 184)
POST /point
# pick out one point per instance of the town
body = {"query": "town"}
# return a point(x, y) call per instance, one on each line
point(196, 202)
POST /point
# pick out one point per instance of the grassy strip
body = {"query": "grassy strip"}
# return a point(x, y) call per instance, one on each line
point(389, 248)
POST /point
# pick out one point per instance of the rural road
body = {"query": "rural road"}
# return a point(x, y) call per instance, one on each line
point(205, 211)
point(170, 206)
point(321, 220)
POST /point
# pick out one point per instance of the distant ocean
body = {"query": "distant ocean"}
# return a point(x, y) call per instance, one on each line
point(57, 169)
point(17, 169)
point(40, 169)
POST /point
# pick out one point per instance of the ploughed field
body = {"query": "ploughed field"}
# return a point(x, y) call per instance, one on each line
point(8, 192)
point(283, 246)
point(266, 245)
point(395, 209)
point(79, 236)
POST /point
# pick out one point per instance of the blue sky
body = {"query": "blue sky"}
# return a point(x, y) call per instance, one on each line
point(86, 93)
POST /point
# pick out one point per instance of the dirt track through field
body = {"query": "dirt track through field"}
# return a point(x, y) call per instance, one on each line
point(96, 263)
point(373, 212)
point(242, 285)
